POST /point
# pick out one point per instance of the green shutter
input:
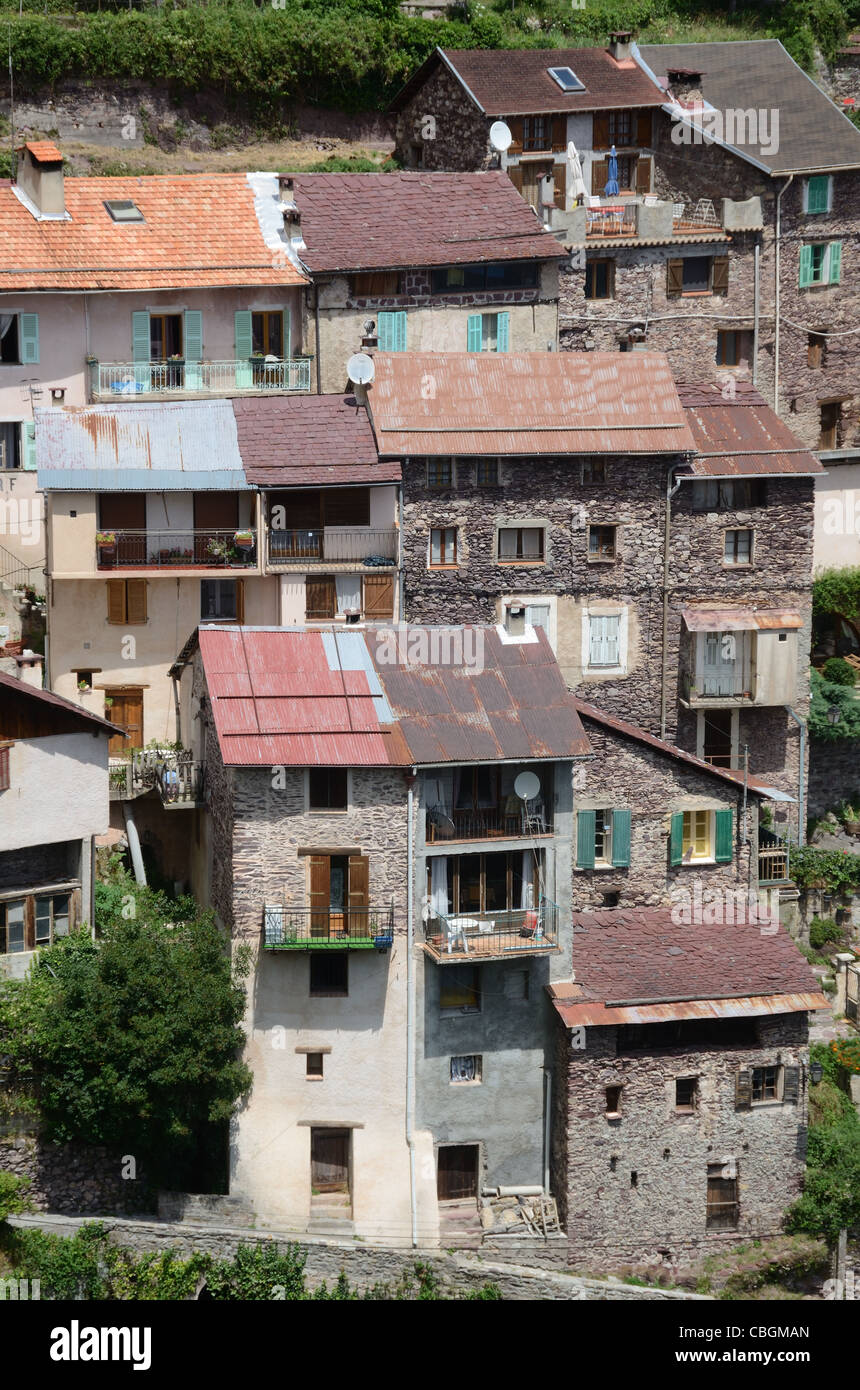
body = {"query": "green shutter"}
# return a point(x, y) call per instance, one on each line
point(29, 329)
point(29, 445)
point(805, 267)
point(835, 261)
point(676, 839)
point(817, 190)
point(474, 333)
point(503, 332)
point(385, 332)
point(243, 340)
point(288, 334)
point(723, 837)
point(140, 350)
point(193, 349)
point(400, 331)
point(585, 827)
point(621, 839)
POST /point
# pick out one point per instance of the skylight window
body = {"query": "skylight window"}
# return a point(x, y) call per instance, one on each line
point(566, 79)
point(124, 210)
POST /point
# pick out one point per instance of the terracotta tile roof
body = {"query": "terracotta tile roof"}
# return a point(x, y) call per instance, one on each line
point(308, 441)
point(378, 221)
point(515, 82)
point(741, 437)
point(527, 403)
point(43, 151)
point(199, 230)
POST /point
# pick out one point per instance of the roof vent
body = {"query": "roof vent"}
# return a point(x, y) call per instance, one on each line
point(124, 210)
point(566, 79)
point(621, 44)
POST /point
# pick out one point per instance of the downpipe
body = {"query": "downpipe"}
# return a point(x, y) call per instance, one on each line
point(410, 1006)
point(671, 488)
point(801, 800)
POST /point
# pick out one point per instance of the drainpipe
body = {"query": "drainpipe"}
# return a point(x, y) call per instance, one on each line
point(756, 273)
point(134, 845)
point(547, 1121)
point(317, 331)
point(801, 803)
point(410, 1004)
point(671, 489)
point(401, 596)
point(177, 706)
point(789, 180)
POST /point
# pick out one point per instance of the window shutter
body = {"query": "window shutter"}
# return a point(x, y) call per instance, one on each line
point(379, 595)
point(585, 827)
point(599, 175)
point(559, 132)
point(474, 330)
point(116, 600)
point(288, 333)
point(743, 1089)
point(817, 190)
point(674, 278)
point(515, 174)
point(723, 837)
point(359, 881)
point(193, 335)
point(596, 642)
point(643, 176)
point(29, 327)
point(242, 334)
point(621, 839)
point(643, 128)
point(611, 626)
point(791, 1085)
point(805, 277)
point(384, 332)
point(560, 179)
point(676, 839)
point(29, 445)
point(400, 331)
point(240, 600)
point(136, 600)
point(515, 125)
point(835, 262)
point(503, 332)
point(319, 890)
point(391, 329)
point(140, 336)
point(600, 133)
point(720, 276)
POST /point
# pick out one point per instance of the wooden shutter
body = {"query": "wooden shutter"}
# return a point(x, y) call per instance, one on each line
point(345, 506)
point(503, 332)
point(474, 333)
point(320, 597)
point(720, 275)
point(621, 839)
point(560, 178)
point(835, 262)
point(723, 837)
point(643, 128)
point(319, 893)
point(358, 901)
point(116, 600)
point(29, 445)
point(791, 1085)
point(599, 175)
point(379, 596)
point(600, 132)
point(585, 827)
point(136, 600)
point(216, 511)
point(140, 336)
point(515, 174)
point(559, 132)
point(743, 1089)
point(4, 768)
point(674, 278)
point(676, 839)
point(643, 176)
point(515, 126)
point(805, 277)
point(240, 600)
point(28, 325)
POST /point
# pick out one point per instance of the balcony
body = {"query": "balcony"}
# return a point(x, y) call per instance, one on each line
point(173, 549)
point(176, 379)
point(333, 545)
point(524, 931)
point(511, 821)
point(648, 218)
point(177, 779)
point(287, 928)
point(773, 865)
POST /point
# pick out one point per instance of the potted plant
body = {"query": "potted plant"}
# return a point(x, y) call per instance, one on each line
point(222, 550)
point(244, 539)
point(106, 540)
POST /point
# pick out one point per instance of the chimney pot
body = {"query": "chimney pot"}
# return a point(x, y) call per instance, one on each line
point(620, 45)
point(40, 177)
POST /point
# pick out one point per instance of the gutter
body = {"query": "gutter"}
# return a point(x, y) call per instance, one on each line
point(672, 486)
point(785, 186)
point(410, 1004)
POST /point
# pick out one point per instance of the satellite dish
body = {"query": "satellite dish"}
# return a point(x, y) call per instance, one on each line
point(501, 138)
point(360, 369)
point(527, 785)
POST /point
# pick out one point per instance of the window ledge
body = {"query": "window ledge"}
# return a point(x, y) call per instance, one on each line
point(521, 562)
point(602, 559)
point(443, 567)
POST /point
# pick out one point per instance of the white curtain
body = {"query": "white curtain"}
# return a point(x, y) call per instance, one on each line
point(439, 885)
point(439, 791)
point(348, 590)
point(5, 324)
point(527, 896)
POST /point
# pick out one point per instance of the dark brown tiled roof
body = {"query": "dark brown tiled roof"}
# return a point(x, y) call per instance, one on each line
point(308, 441)
point(741, 437)
point(739, 74)
point(515, 82)
point(382, 221)
point(12, 687)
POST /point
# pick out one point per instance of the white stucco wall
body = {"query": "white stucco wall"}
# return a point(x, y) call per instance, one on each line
point(58, 790)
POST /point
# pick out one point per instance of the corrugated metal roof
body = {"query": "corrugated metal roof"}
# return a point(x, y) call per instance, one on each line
point(527, 403)
point(741, 436)
point(171, 445)
point(740, 619)
point(753, 1006)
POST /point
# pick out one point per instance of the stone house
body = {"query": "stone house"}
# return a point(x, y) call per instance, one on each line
point(415, 262)
point(53, 803)
point(681, 1098)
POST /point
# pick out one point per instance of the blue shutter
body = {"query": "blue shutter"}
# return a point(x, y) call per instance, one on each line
point(805, 278)
point(193, 349)
point(474, 333)
point(28, 325)
point(611, 640)
point(835, 262)
point(723, 837)
point(385, 332)
point(400, 331)
point(621, 839)
point(676, 839)
point(585, 826)
point(503, 332)
point(29, 445)
point(288, 334)
point(817, 193)
point(243, 339)
point(140, 350)
point(595, 642)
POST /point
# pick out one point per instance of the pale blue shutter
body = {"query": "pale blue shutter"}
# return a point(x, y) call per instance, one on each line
point(835, 262)
point(585, 826)
point(611, 640)
point(817, 193)
point(503, 332)
point(805, 278)
point(28, 325)
point(29, 445)
point(621, 839)
point(385, 332)
point(596, 642)
point(244, 345)
point(193, 349)
point(140, 350)
point(400, 332)
point(474, 334)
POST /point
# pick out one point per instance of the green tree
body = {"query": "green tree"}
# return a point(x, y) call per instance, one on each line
point(826, 696)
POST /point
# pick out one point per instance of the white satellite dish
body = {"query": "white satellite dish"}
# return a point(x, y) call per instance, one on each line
point(501, 138)
point(527, 785)
point(360, 369)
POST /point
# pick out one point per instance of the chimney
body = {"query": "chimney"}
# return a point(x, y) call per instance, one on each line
point(290, 209)
point(685, 85)
point(30, 668)
point(40, 178)
point(621, 44)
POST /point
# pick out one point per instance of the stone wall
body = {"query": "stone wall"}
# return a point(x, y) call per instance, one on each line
point(456, 138)
point(76, 1178)
point(633, 1190)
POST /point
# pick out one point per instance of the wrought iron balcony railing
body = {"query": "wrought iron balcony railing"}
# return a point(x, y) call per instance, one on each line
point(256, 376)
point(172, 773)
point(493, 823)
point(365, 545)
point(288, 928)
point(128, 549)
point(511, 932)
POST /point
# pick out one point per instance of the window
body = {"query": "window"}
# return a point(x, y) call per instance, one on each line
point(519, 613)
point(830, 419)
point(599, 279)
point(391, 331)
point(613, 1101)
point(697, 275)
point(701, 835)
point(536, 133)
point(601, 542)
point(488, 332)
point(770, 1085)
point(816, 350)
point(12, 927)
point(697, 835)
point(765, 1084)
point(440, 472)
point(688, 1033)
point(374, 284)
point(314, 1066)
point(566, 79)
point(123, 210)
point(329, 974)
point(10, 444)
point(523, 543)
point(734, 349)
point(19, 339)
point(728, 494)
point(219, 599)
point(621, 128)
point(126, 601)
point(722, 1206)
point(5, 781)
point(267, 332)
point(488, 473)
point(686, 1093)
point(738, 548)
point(510, 275)
point(26, 923)
point(465, 1069)
point(594, 470)
point(604, 639)
point(820, 263)
point(443, 547)
point(52, 918)
point(327, 789)
point(603, 838)
point(817, 193)
point(165, 336)
point(460, 989)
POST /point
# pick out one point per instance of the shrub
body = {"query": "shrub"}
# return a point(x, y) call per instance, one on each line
point(13, 1195)
point(825, 696)
point(838, 671)
point(822, 931)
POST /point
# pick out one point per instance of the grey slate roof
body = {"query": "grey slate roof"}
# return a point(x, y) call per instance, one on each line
point(760, 74)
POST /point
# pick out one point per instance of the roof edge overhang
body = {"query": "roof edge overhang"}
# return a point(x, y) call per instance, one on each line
point(151, 480)
point(578, 1013)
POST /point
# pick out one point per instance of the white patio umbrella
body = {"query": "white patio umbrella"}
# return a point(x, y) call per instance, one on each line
point(574, 164)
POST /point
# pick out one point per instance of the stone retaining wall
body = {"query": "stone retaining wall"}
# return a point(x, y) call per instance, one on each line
point(74, 1177)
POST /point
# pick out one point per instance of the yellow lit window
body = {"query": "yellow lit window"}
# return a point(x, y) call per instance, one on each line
point(697, 834)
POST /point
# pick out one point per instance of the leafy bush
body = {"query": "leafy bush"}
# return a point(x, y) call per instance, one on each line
point(838, 672)
point(13, 1195)
point(825, 696)
point(837, 591)
point(834, 869)
point(822, 931)
point(831, 1188)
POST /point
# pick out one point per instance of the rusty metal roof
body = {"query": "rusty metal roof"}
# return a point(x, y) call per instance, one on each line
point(737, 619)
point(527, 403)
point(752, 1006)
point(741, 436)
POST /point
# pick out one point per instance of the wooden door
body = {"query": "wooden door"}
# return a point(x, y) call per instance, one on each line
point(320, 598)
point(127, 712)
point(319, 893)
point(457, 1172)
point(359, 895)
point(379, 596)
point(216, 517)
point(124, 513)
point(330, 1160)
